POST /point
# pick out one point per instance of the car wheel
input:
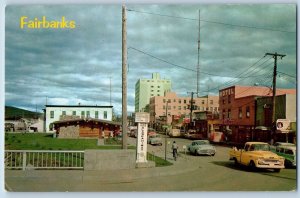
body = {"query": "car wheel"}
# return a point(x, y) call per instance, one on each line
point(195, 152)
point(213, 154)
point(252, 166)
point(235, 161)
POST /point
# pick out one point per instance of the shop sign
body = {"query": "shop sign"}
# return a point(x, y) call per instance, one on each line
point(283, 125)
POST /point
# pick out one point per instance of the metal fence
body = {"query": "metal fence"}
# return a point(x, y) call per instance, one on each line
point(46, 159)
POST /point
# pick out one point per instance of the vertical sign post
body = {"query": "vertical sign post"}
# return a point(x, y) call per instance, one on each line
point(142, 119)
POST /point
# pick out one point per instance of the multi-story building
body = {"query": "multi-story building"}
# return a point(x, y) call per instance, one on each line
point(285, 108)
point(176, 106)
point(55, 112)
point(238, 111)
point(147, 88)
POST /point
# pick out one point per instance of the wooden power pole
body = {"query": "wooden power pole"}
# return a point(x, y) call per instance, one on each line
point(124, 80)
point(275, 55)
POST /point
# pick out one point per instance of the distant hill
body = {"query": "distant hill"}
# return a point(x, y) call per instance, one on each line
point(14, 113)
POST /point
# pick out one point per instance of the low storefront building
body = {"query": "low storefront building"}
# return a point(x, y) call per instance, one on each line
point(83, 128)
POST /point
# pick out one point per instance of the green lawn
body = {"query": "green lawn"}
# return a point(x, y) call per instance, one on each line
point(42, 141)
point(158, 160)
point(39, 141)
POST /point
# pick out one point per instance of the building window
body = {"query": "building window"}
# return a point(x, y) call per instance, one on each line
point(211, 108)
point(51, 114)
point(179, 101)
point(74, 113)
point(229, 99)
point(223, 114)
point(164, 107)
point(229, 113)
point(174, 107)
point(247, 112)
point(82, 114)
point(64, 113)
point(240, 113)
point(87, 114)
point(203, 101)
point(169, 100)
point(211, 102)
point(158, 86)
point(184, 101)
point(105, 114)
point(179, 107)
point(96, 114)
point(174, 100)
point(184, 107)
point(216, 109)
point(152, 86)
point(223, 101)
point(152, 90)
point(169, 107)
point(164, 100)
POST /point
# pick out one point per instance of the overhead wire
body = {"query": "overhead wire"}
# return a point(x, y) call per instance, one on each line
point(214, 22)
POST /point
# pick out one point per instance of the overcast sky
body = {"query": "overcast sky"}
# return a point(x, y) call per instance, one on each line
point(71, 66)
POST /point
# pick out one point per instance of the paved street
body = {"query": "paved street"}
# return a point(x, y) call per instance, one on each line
point(189, 173)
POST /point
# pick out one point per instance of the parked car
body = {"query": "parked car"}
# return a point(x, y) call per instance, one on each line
point(201, 147)
point(196, 136)
point(133, 133)
point(189, 134)
point(174, 132)
point(284, 144)
point(289, 153)
point(154, 140)
point(151, 131)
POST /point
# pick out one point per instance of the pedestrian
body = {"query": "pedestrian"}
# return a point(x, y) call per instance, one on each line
point(174, 149)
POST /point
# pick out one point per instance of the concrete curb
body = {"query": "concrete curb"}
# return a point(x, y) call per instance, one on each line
point(108, 176)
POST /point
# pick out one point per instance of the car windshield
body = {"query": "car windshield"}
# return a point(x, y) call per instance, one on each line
point(259, 147)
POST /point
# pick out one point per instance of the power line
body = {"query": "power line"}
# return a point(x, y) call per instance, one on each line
point(161, 59)
point(186, 68)
point(287, 74)
point(214, 22)
point(234, 81)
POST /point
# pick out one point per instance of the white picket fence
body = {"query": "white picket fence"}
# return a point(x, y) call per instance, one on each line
point(43, 159)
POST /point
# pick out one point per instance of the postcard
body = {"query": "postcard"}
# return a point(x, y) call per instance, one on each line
point(150, 98)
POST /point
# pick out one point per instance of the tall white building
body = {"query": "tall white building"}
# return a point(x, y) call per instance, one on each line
point(54, 112)
point(147, 88)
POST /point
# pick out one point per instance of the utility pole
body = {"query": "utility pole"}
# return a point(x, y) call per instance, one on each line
point(110, 90)
point(274, 88)
point(124, 80)
point(198, 63)
point(191, 107)
point(166, 130)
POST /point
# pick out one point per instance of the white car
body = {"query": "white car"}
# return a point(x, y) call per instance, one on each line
point(201, 147)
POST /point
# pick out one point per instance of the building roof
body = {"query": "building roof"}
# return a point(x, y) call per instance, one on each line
point(87, 120)
point(93, 106)
point(243, 91)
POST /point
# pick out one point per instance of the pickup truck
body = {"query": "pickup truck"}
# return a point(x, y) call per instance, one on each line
point(257, 155)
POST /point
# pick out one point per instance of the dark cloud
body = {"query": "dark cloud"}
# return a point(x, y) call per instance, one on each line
point(72, 66)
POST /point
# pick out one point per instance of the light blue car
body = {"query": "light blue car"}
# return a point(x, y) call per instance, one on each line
point(201, 147)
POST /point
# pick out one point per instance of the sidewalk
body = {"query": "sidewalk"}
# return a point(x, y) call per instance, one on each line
point(80, 180)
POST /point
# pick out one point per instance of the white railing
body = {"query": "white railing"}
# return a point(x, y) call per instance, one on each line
point(43, 159)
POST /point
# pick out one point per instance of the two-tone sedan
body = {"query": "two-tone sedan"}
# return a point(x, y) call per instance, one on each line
point(201, 147)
